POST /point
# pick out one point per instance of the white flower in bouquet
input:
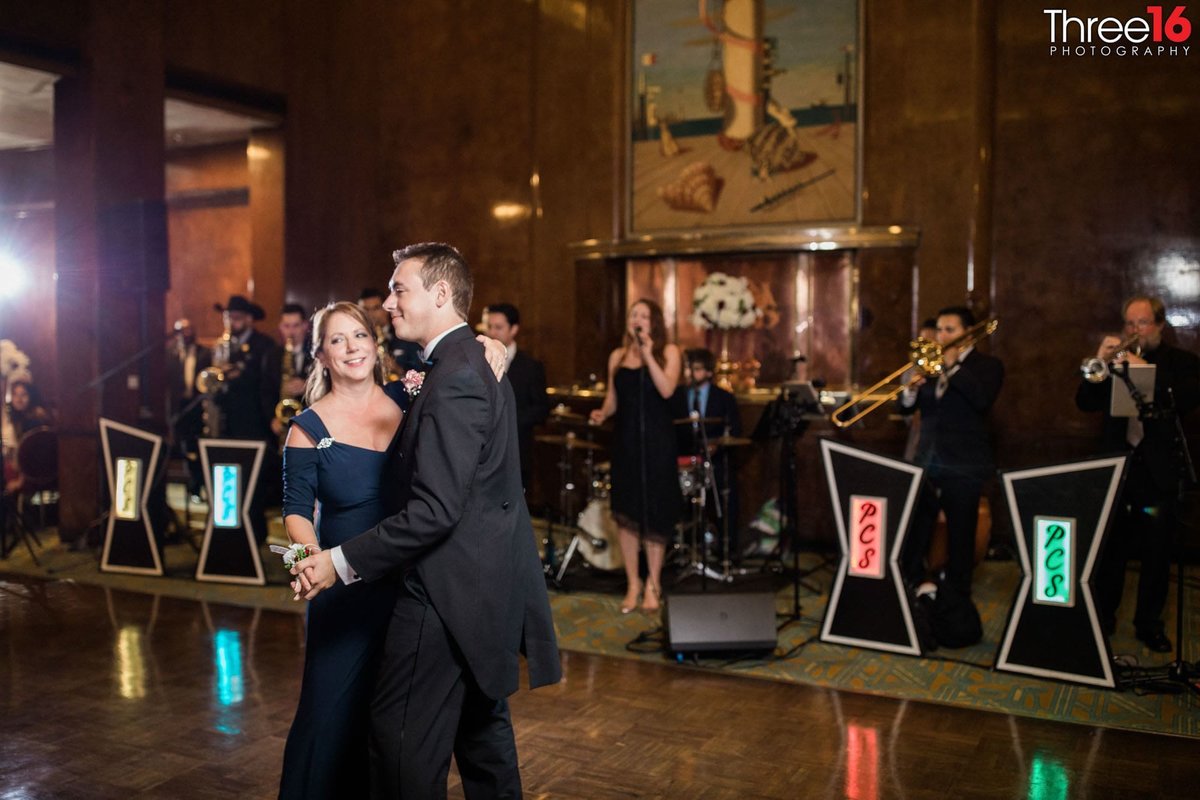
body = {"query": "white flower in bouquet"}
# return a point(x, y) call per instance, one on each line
point(724, 303)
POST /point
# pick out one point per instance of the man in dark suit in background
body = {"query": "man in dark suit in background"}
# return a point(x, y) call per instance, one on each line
point(247, 401)
point(472, 591)
point(955, 449)
point(709, 401)
point(528, 379)
point(1146, 517)
point(187, 358)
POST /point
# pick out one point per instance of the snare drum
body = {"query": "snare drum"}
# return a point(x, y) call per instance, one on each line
point(600, 547)
point(601, 480)
point(690, 475)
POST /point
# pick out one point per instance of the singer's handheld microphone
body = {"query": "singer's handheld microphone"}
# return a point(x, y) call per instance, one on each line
point(637, 334)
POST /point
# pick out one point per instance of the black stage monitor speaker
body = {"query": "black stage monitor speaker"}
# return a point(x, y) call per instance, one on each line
point(720, 621)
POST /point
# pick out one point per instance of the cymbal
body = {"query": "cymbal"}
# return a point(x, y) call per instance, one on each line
point(563, 414)
point(701, 420)
point(570, 442)
point(730, 441)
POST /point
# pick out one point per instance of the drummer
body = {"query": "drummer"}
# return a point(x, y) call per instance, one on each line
point(718, 414)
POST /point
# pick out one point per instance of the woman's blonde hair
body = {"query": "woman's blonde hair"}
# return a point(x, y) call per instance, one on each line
point(318, 384)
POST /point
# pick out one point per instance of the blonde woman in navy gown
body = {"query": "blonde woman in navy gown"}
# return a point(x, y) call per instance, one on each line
point(646, 501)
point(334, 461)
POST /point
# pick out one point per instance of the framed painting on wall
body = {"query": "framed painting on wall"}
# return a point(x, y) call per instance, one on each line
point(743, 113)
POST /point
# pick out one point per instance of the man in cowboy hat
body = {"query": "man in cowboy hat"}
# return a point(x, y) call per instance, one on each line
point(247, 403)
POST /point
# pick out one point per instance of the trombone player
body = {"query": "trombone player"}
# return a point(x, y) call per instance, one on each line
point(955, 449)
point(1146, 513)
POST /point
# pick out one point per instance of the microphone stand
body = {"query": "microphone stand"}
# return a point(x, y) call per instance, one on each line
point(1179, 675)
point(643, 374)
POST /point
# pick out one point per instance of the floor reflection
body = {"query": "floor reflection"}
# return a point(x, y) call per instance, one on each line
point(112, 694)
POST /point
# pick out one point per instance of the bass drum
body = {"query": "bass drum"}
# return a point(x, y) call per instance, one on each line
point(599, 545)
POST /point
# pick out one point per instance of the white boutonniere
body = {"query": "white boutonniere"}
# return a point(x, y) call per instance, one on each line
point(413, 381)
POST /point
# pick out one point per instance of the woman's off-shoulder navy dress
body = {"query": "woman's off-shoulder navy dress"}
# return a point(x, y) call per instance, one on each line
point(326, 753)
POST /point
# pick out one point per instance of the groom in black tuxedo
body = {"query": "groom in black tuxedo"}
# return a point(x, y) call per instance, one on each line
point(460, 541)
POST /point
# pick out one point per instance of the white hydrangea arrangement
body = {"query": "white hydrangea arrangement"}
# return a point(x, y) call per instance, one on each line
point(724, 303)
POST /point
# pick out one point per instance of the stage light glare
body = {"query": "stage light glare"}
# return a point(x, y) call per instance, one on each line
point(13, 277)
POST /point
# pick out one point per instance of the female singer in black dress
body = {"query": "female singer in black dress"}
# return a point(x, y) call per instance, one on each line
point(334, 461)
point(646, 500)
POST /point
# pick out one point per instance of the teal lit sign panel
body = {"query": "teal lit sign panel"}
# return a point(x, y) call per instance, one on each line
point(1054, 561)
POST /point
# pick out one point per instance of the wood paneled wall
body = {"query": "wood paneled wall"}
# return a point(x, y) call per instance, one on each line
point(1054, 186)
point(210, 233)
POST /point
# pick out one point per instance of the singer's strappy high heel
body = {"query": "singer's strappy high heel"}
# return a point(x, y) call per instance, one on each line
point(631, 598)
point(654, 592)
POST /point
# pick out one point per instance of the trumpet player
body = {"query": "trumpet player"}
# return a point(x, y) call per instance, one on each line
point(1146, 514)
point(296, 360)
point(955, 449)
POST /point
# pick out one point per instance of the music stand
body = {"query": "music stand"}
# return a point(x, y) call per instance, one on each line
point(1136, 379)
point(786, 418)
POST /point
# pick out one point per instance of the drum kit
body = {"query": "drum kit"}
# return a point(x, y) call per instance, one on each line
point(583, 506)
point(593, 532)
point(698, 484)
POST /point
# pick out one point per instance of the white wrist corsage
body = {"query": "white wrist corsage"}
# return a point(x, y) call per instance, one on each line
point(294, 554)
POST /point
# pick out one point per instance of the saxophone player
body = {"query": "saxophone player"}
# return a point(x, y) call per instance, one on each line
point(248, 396)
point(296, 360)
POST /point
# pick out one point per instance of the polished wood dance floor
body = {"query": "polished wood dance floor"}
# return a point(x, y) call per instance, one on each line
point(107, 694)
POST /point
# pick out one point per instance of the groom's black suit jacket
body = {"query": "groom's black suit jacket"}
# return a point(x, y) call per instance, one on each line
point(461, 522)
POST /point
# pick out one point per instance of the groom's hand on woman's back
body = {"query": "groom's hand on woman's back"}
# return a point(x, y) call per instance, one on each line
point(314, 575)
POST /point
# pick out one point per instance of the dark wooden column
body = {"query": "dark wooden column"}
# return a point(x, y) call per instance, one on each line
point(111, 243)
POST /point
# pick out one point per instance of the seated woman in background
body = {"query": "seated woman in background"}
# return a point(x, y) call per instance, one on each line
point(25, 411)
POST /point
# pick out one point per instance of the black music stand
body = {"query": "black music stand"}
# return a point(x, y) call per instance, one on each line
point(786, 418)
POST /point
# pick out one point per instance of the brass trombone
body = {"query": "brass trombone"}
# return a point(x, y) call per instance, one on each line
point(924, 355)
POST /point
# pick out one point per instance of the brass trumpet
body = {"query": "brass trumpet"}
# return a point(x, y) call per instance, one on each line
point(1097, 370)
point(924, 355)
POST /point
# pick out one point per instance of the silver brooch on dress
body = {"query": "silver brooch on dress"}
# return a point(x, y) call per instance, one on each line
point(326, 442)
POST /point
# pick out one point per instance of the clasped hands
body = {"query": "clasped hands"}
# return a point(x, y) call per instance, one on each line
point(313, 575)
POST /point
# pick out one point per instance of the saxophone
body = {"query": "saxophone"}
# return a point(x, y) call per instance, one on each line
point(287, 407)
point(212, 381)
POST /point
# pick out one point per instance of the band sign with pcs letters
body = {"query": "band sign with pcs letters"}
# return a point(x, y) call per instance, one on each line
point(868, 537)
point(226, 502)
point(131, 458)
point(229, 553)
point(1054, 561)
